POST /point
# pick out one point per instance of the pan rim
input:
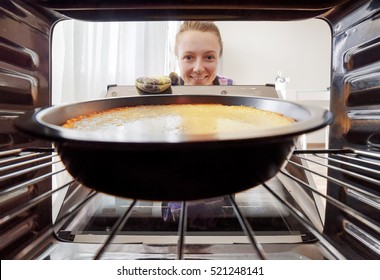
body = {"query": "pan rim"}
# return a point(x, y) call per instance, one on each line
point(35, 122)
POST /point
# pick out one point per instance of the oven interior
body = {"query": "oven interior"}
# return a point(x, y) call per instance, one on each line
point(46, 214)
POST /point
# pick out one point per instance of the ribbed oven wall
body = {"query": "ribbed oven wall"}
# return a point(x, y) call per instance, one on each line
point(24, 85)
point(355, 101)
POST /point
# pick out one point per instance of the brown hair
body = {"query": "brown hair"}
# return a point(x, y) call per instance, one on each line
point(203, 26)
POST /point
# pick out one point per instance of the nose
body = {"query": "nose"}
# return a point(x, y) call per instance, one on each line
point(198, 65)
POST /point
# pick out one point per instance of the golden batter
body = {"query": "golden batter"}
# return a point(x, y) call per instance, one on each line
point(177, 119)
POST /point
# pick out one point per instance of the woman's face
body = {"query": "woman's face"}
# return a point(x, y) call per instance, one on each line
point(198, 54)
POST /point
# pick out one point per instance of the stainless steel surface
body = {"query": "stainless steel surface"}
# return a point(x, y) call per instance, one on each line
point(239, 90)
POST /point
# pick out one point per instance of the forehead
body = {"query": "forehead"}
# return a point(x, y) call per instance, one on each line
point(194, 41)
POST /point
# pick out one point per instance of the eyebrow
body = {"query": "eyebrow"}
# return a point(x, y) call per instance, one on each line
point(207, 52)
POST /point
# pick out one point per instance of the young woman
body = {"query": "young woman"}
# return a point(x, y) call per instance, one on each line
point(199, 48)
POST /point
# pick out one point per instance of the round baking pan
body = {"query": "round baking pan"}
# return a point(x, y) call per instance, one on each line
point(186, 167)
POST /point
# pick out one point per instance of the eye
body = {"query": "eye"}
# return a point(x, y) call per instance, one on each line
point(187, 57)
point(210, 57)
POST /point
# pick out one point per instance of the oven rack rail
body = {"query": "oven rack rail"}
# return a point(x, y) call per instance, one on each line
point(16, 163)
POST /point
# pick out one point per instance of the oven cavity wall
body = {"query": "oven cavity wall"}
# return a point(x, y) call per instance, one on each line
point(355, 102)
point(24, 85)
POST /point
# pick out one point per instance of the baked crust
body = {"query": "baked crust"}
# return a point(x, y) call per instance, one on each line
point(187, 119)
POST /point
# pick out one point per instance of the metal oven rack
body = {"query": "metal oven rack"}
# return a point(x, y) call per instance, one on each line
point(22, 221)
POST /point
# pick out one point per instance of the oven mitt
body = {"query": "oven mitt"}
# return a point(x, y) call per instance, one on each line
point(158, 84)
point(154, 85)
point(174, 78)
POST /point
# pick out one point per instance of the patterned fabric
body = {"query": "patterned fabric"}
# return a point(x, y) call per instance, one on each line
point(223, 81)
point(201, 214)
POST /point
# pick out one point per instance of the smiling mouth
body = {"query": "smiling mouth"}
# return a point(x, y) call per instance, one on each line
point(198, 78)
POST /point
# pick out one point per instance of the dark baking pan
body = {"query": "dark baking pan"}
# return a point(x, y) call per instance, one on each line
point(157, 167)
